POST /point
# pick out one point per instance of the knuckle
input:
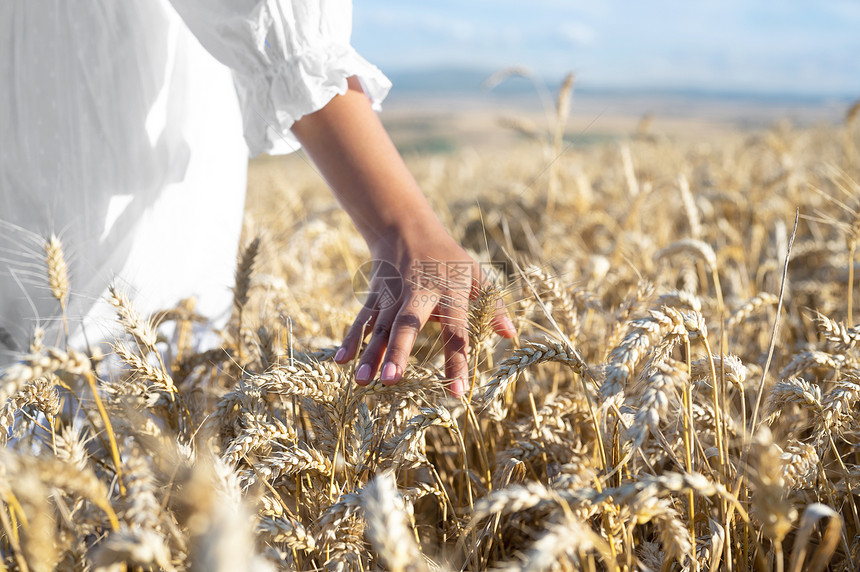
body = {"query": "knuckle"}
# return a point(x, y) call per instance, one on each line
point(408, 321)
point(455, 323)
point(356, 332)
point(397, 355)
point(370, 356)
point(457, 299)
point(365, 316)
point(370, 301)
point(382, 330)
point(455, 338)
point(455, 365)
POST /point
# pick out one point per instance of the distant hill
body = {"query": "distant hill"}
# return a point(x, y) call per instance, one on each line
point(452, 81)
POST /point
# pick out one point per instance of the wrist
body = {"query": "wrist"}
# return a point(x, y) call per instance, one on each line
point(389, 215)
point(407, 227)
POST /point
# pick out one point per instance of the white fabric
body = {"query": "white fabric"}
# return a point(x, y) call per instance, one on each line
point(288, 59)
point(123, 135)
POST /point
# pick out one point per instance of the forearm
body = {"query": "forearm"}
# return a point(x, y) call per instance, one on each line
point(352, 150)
point(364, 170)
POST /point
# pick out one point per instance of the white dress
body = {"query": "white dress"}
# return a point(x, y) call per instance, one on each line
point(121, 130)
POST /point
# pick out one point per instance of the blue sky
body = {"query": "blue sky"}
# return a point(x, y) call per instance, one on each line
point(784, 46)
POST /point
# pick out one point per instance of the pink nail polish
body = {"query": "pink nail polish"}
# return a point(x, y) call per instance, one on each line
point(363, 373)
point(389, 371)
point(340, 355)
point(457, 387)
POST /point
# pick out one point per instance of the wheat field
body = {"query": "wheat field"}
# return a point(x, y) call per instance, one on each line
point(682, 393)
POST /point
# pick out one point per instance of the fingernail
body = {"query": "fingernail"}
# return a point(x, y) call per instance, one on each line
point(457, 387)
point(389, 372)
point(363, 373)
point(340, 355)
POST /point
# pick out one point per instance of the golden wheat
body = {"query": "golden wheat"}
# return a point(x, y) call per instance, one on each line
point(612, 434)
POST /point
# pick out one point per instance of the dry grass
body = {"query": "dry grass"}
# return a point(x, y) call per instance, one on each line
point(615, 433)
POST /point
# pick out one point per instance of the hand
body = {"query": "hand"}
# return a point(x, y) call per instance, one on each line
point(352, 150)
point(431, 278)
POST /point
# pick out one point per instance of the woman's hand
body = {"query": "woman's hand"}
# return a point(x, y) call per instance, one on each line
point(418, 276)
point(434, 275)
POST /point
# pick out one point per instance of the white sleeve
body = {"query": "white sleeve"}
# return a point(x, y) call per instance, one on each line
point(289, 59)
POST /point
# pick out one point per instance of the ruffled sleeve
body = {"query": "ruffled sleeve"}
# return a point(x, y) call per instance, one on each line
point(289, 59)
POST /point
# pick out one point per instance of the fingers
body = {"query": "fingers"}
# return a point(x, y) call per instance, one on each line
point(394, 335)
point(394, 331)
point(501, 323)
point(403, 333)
point(371, 357)
point(452, 314)
point(409, 321)
point(363, 323)
point(455, 340)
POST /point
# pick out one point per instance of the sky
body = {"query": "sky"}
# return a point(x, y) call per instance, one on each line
point(754, 46)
